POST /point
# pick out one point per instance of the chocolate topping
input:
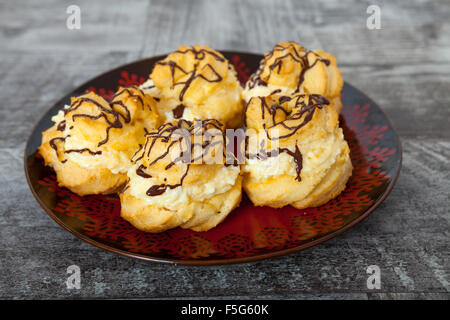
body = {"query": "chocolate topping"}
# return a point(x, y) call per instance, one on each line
point(166, 134)
point(194, 73)
point(140, 172)
point(53, 145)
point(262, 154)
point(115, 116)
point(301, 109)
point(104, 113)
point(178, 111)
point(92, 153)
point(149, 87)
point(61, 126)
point(301, 58)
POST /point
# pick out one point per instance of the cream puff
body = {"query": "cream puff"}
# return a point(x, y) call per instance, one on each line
point(180, 177)
point(92, 140)
point(196, 83)
point(291, 69)
point(296, 152)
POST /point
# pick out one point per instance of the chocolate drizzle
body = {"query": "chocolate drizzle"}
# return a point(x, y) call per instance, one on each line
point(178, 111)
point(166, 134)
point(195, 73)
point(140, 172)
point(300, 57)
point(262, 154)
point(298, 160)
point(272, 110)
point(53, 145)
point(302, 109)
point(159, 189)
point(132, 95)
point(61, 126)
point(149, 87)
point(92, 153)
point(104, 113)
point(255, 78)
point(284, 99)
point(200, 54)
point(115, 114)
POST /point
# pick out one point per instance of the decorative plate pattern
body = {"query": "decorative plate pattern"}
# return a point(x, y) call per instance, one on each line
point(249, 233)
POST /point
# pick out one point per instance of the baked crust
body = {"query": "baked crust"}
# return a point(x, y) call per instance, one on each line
point(166, 190)
point(197, 83)
point(291, 69)
point(301, 157)
point(92, 140)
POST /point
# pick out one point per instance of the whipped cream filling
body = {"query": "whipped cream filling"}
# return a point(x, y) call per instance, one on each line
point(172, 199)
point(263, 91)
point(317, 157)
point(273, 166)
point(149, 88)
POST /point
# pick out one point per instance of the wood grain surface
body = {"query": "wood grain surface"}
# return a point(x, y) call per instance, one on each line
point(404, 67)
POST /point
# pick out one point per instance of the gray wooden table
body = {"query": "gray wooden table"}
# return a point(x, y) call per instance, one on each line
point(404, 66)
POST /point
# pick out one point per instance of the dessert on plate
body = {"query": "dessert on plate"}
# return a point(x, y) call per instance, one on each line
point(163, 146)
point(196, 83)
point(296, 152)
point(92, 140)
point(180, 177)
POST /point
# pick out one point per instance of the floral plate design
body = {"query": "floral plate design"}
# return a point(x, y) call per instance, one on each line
point(249, 233)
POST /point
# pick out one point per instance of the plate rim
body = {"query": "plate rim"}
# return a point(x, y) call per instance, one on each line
point(224, 261)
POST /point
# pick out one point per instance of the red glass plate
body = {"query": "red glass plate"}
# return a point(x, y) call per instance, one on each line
point(248, 233)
